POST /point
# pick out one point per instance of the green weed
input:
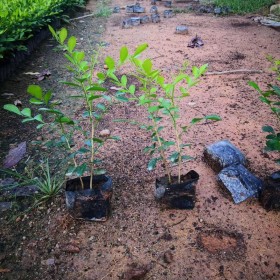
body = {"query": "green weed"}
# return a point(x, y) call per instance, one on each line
point(244, 6)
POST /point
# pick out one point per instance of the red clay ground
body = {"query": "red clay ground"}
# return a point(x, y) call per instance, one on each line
point(216, 240)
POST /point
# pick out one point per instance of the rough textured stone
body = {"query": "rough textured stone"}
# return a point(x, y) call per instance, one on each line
point(240, 182)
point(222, 154)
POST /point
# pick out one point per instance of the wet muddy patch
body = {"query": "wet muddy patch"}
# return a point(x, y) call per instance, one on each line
point(222, 243)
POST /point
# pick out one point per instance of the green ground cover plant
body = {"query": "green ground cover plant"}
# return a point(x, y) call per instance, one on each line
point(244, 6)
point(19, 19)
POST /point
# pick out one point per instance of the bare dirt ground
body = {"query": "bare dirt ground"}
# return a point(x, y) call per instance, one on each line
point(216, 240)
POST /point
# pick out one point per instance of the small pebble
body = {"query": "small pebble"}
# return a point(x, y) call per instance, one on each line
point(105, 133)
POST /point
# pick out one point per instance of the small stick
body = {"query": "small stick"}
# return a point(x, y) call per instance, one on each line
point(85, 16)
point(239, 71)
point(175, 224)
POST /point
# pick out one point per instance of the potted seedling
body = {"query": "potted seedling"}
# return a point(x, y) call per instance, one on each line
point(270, 196)
point(162, 100)
point(87, 197)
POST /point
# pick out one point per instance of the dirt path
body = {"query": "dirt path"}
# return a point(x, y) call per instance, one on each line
point(216, 240)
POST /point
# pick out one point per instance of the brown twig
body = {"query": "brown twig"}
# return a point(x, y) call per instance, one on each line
point(177, 223)
point(85, 16)
point(238, 71)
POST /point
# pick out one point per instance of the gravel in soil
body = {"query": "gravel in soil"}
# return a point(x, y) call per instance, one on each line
point(215, 240)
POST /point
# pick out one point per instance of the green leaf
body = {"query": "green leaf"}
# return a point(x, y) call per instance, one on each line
point(101, 76)
point(72, 41)
point(64, 119)
point(99, 171)
point(174, 157)
point(71, 84)
point(152, 163)
point(268, 129)
point(62, 35)
point(195, 72)
point(131, 89)
point(203, 69)
point(124, 80)
point(101, 107)
point(147, 66)
point(153, 109)
point(213, 118)
point(265, 100)
point(80, 170)
point(179, 78)
point(12, 108)
point(35, 101)
point(196, 120)
point(123, 54)
point(39, 118)
point(53, 32)
point(276, 89)
point(39, 126)
point(26, 112)
point(96, 88)
point(187, 158)
point(97, 140)
point(83, 150)
point(169, 143)
point(109, 61)
point(27, 120)
point(47, 97)
point(254, 85)
point(79, 56)
point(120, 96)
point(35, 91)
point(140, 49)
point(92, 97)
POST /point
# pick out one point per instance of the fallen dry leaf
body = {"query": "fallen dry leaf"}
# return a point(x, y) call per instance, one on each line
point(15, 155)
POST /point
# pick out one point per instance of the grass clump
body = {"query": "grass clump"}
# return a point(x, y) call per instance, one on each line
point(244, 6)
point(103, 9)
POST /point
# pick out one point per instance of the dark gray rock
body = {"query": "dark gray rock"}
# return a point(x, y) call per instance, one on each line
point(127, 23)
point(222, 154)
point(240, 182)
point(154, 10)
point(270, 196)
point(168, 14)
point(168, 4)
point(218, 11)
point(182, 29)
point(144, 19)
point(155, 18)
point(135, 21)
point(116, 9)
point(130, 9)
